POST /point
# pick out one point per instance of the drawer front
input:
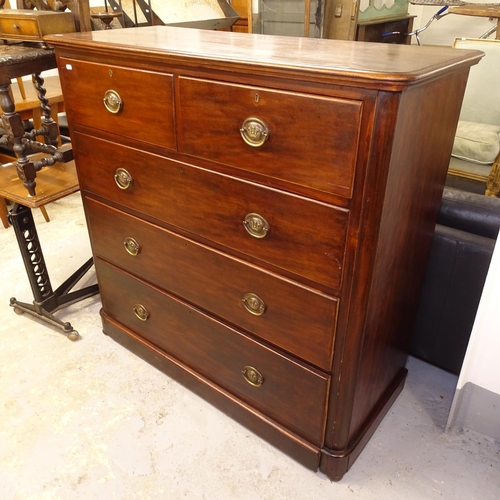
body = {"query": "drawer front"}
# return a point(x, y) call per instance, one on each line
point(20, 28)
point(144, 116)
point(289, 392)
point(306, 238)
point(271, 308)
point(312, 140)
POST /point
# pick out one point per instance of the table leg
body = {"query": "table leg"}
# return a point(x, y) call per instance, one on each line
point(4, 213)
point(46, 300)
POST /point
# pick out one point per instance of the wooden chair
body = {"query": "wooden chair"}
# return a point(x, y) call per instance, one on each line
point(29, 109)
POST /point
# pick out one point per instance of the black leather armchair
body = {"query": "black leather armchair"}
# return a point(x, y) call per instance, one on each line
point(464, 239)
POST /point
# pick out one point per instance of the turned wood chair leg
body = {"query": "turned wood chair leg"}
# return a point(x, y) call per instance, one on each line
point(22, 90)
point(45, 214)
point(3, 213)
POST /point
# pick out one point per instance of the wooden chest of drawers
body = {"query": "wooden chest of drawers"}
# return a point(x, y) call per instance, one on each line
point(260, 211)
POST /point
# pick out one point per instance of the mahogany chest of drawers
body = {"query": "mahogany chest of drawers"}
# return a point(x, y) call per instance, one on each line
point(260, 210)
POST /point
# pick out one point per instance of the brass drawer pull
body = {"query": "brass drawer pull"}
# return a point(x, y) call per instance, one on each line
point(254, 304)
point(131, 246)
point(256, 225)
point(112, 101)
point(123, 179)
point(254, 131)
point(252, 376)
point(141, 312)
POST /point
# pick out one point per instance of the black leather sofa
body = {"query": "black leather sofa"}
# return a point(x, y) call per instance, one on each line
point(462, 247)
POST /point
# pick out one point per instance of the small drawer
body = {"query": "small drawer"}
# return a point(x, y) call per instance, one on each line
point(292, 233)
point(267, 132)
point(20, 28)
point(274, 309)
point(287, 391)
point(132, 103)
point(34, 25)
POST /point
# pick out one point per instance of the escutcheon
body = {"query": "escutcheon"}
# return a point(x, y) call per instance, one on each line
point(254, 304)
point(252, 376)
point(131, 246)
point(254, 131)
point(112, 101)
point(256, 225)
point(141, 312)
point(123, 178)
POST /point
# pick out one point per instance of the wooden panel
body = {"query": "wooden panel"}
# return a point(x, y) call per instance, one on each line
point(306, 238)
point(147, 115)
point(280, 437)
point(291, 393)
point(317, 149)
point(297, 319)
point(402, 248)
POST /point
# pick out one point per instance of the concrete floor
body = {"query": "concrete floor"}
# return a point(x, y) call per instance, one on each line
point(89, 420)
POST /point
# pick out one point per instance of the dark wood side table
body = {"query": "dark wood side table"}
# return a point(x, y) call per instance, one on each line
point(17, 61)
point(373, 29)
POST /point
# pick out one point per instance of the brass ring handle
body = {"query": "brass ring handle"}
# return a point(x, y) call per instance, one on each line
point(254, 304)
point(256, 225)
point(252, 376)
point(141, 312)
point(123, 178)
point(254, 131)
point(131, 246)
point(112, 101)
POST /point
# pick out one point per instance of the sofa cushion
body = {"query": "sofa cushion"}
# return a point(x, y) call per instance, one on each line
point(476, 142)
point(470, 212)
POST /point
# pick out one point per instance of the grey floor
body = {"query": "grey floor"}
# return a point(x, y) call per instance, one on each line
point(89, 420)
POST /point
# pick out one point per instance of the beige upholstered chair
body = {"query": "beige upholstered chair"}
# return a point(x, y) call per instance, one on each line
point(477, 143)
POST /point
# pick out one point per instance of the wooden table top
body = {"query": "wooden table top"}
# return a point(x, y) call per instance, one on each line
point(380, 65)
point(52, 183)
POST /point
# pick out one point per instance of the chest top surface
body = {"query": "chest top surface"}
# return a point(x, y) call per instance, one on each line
point(385, 65)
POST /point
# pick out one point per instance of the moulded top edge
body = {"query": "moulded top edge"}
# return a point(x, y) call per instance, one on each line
point(405, 64)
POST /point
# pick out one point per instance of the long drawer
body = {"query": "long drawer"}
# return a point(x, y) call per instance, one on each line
point(304, 237)
point(147, 116)
point(287, 391)
point(290, 316)
point(266, 131)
